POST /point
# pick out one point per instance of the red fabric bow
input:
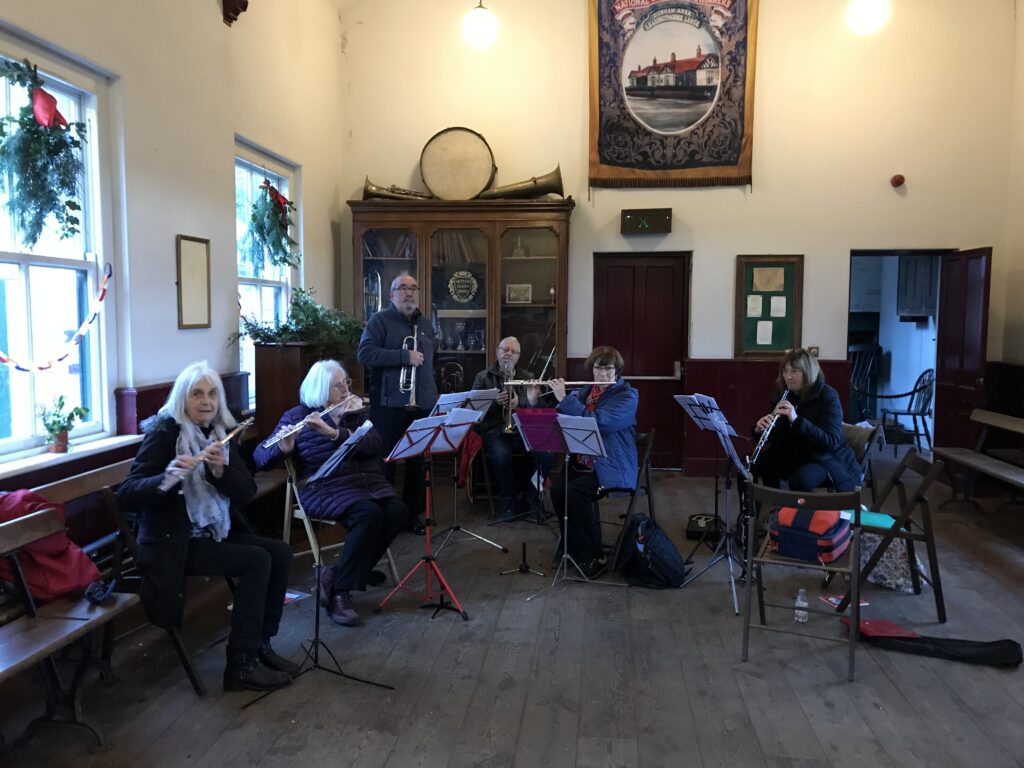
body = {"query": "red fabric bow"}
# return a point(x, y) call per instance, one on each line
point(279, 200)
point(44, 107)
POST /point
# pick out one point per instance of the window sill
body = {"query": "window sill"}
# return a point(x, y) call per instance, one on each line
point(36, 461)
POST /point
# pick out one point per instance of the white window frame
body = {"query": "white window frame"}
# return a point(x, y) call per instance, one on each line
point(285, 176)
point(92, 87)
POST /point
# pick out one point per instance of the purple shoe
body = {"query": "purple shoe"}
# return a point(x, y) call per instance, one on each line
point(341, 610)
point(326, 585)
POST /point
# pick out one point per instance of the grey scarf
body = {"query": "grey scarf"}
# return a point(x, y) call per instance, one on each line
point(206, 507)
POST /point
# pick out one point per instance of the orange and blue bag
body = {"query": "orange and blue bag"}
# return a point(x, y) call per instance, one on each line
point(816, 535)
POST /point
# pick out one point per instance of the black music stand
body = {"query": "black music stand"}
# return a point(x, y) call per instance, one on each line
point(473, 400)
point(552, 431)
point(434, 434)
point(314, 643)
point(706, 414)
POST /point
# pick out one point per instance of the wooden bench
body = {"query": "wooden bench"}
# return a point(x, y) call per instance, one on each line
point(984, 460)
point(33, 639)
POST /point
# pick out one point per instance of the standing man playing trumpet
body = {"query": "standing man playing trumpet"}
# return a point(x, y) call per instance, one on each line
point(500, 442)
point(397, 346)
point(806, 446)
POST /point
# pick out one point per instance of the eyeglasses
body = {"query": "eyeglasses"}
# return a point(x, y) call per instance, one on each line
point(408, 289)
point(604, 367)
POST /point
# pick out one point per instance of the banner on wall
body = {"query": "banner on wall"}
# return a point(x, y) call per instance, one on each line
point(671, 92)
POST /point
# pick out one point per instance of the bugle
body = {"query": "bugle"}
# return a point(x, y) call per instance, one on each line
point(407, 378)
point(392, 193)
point(349, 403)
point(172, 478)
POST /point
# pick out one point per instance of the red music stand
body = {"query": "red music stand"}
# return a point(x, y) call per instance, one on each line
point(434, 434)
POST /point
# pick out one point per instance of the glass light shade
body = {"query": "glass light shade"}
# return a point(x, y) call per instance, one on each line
point(480, 27)
point(865, 17)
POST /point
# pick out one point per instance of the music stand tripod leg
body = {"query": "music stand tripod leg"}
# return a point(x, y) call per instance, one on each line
point(523, 567)
point(455, 527)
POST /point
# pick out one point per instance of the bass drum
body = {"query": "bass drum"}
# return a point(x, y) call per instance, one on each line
point(457, 164)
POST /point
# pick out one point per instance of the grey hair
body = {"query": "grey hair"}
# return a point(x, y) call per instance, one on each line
point(174, 407)
point(315, 389)
point(399, 276)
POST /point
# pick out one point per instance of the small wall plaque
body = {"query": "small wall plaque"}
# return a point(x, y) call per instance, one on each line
point(646, 221)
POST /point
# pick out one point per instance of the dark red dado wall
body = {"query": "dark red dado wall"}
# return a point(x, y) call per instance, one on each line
point(742, 388)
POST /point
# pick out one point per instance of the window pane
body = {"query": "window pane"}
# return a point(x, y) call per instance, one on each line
point(15, 386)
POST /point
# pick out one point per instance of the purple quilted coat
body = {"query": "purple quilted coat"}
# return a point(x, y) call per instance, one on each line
point(359, 477)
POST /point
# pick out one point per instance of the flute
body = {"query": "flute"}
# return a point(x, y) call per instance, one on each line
point(547, 383)
point(173, 478)
point(296, 428)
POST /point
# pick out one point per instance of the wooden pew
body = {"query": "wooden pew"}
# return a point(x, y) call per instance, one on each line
point(984, 460)
point(34, 638)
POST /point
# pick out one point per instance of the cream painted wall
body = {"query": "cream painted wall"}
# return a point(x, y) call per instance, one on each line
point(185, 85)
point(835, 117)
point(1013, 284)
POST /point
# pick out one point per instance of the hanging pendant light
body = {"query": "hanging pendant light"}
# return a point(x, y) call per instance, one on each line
point(866, 17)
point(480, 26)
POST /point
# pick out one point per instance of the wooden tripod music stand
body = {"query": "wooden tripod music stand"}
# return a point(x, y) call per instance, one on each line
point(434, 434)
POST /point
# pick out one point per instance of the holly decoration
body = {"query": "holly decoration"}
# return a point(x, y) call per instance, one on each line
point(268, 230)
point(41, 159)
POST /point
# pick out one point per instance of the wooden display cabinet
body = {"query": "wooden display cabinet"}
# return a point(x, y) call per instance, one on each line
point(496, 268)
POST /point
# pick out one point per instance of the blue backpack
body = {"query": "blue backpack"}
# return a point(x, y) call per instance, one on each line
point(648, 557)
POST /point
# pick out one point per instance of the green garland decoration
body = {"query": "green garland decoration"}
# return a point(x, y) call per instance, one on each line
point(268, 231)
point(41, 159)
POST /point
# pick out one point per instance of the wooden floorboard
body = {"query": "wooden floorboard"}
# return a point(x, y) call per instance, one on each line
point(583, 675)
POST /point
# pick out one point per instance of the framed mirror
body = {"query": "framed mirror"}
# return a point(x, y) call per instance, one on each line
point(193, 282)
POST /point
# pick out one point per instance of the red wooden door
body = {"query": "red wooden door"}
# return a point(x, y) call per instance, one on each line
point(641, 307)
point(962, 338)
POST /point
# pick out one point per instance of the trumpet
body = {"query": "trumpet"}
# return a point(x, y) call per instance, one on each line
point(507, 374)
point(352, 402)
point(173, 478)
point(767, 431)
point(407, 379)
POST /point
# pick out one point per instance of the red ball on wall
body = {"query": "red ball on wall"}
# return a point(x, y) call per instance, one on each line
point(897, 180)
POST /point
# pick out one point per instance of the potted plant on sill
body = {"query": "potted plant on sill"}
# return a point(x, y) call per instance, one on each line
point(57, 422)
point(285, 352)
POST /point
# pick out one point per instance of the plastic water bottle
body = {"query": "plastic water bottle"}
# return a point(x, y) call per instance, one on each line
point(800, 615)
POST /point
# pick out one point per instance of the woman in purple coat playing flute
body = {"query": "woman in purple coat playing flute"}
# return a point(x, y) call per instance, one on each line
point(355, 494)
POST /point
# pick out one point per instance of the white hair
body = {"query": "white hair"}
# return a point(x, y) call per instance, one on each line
point(174, 407)
point(316, 387)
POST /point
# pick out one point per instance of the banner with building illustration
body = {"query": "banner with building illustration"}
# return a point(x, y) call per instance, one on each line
point(671, 92)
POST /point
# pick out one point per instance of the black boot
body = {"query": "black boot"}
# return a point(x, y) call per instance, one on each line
point(245, 673)
point(271, 658)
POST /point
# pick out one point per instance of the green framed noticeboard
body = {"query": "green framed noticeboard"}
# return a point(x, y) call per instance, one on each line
point(769, 304)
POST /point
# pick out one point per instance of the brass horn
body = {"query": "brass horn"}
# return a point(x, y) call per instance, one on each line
point(535, 187)
point(392, 193)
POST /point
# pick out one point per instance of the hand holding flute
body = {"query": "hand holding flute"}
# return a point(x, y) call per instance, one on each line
point(285, 437)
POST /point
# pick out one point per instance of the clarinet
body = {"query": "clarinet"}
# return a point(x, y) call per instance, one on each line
point(764, 435)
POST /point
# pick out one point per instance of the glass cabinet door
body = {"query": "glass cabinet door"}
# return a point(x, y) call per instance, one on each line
point(458, 306)
point(387, 253)
point(529, 291)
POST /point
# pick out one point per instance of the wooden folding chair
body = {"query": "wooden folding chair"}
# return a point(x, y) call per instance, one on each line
point(905, 527)
point(773, 498)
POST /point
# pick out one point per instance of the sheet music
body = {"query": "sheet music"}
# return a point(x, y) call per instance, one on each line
point(705, 413)
point(582, 435)
point(473, 399)
point(437, 434)
point(539, 429)
point(342, 453)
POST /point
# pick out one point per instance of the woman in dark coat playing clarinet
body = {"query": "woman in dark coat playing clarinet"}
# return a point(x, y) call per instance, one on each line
point(806, 446)
point(355, 494)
